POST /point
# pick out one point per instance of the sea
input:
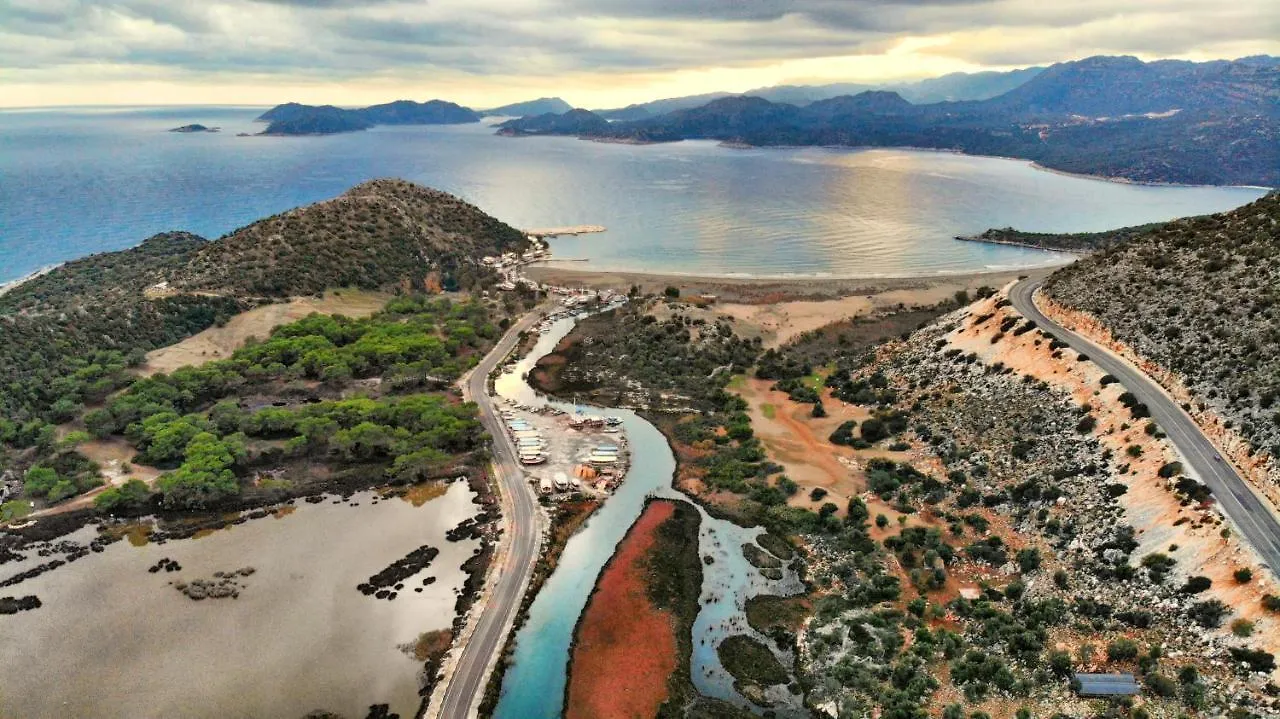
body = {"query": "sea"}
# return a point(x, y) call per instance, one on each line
point(85, 180)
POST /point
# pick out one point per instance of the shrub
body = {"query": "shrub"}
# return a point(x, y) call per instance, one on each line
point(1242, 628)
point(1208, 613)
point(1258, 660)
point(1060, 662)
point(873, 430)
point(844, 433)
point(817, 494)
point(1122, 650)
point(671, 292)
point(1170, 470)
point(1243, 575)
point(1086, 424)
point(1029, 559)
point(1161, 685)
point(1108, 379)
point(1197, 584)
point(1271, 602)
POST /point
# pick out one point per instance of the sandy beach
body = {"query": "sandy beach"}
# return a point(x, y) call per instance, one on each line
point(767, 290)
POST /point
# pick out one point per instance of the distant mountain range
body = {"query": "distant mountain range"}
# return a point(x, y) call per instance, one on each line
point(541, 106)
point(953, 87)
point(294, 119)
point(1166, 121)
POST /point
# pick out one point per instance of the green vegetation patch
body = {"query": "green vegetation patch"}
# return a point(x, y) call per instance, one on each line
point(759, 558)
point(750, 662)
point(776, 545)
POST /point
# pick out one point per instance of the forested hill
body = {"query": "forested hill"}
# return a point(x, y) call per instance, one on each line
point(379, 234)
point(68, 337)
point(103, 279)
point(1200, 296)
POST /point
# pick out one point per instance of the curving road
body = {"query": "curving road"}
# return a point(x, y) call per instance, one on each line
point(522, 537)
point(1251, 515)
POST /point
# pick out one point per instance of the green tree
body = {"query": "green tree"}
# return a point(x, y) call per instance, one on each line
point(131, 495)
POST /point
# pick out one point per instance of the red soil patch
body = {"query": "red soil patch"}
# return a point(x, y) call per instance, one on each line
point(626, 648)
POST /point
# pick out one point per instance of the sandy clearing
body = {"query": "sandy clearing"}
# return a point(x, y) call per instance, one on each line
point(219, 342)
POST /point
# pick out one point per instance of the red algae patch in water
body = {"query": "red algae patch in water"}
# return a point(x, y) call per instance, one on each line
point(625, 650)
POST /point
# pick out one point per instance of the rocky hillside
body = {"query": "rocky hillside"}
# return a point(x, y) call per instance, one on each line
point(1200, 297)
point(378, 234)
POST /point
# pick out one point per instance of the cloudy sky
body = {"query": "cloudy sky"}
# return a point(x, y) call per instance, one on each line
point(594, 53)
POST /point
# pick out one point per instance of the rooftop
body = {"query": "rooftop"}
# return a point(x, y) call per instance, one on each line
point(1106, 685)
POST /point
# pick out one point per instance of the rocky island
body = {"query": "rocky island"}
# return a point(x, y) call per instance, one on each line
point(296, 119)
point(196, 128)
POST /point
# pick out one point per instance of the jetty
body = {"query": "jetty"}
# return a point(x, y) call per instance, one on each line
point(544, 232)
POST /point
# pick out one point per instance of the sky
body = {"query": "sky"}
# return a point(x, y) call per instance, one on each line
point(593, 53)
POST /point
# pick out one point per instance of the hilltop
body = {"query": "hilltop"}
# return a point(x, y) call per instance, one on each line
point(1200, 297)
point(379, 234)
point(1167, 121)
point(70, 336)
point(541, 106)
point(293, 118)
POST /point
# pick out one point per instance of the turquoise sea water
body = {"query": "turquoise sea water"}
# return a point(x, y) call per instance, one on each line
point(76, 182)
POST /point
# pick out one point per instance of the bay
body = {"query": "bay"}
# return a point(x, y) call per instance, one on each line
point(73, 182)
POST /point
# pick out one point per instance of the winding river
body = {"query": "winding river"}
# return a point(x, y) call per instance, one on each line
point(534, 685)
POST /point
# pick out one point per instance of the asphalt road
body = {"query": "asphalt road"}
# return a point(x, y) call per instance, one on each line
point(1249, 513)
point(468, 678)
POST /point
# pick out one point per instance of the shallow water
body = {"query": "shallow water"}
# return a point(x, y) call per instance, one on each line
point(534, 685)
point(75, 182)
point(113, 640)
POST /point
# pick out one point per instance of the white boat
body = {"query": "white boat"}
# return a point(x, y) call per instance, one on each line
point(562, 481)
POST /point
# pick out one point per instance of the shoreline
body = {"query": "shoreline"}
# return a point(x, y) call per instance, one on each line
point(773, 289)
point(10, 285)
point(1035, 165)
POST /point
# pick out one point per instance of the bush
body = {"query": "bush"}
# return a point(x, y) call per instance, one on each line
point(1060, 663)
point(1122, 650)
point(1029, 559)
point(1258, 660)
point(1161, 685)
point(844, 433)
point(1086, 424)
point(1208, 614)
point(1108, 379)
point(873, 430)
point(1242, 628)
point(671, 292)
point(1170, 470)
point(1195, 585)
point(1243, 575)
point(1271, 602)
point(817, 494)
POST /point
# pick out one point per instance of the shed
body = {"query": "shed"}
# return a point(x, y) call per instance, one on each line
point(1105, 685)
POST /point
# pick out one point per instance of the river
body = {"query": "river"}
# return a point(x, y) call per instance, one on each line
point(113, 639)
point(534, 685)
